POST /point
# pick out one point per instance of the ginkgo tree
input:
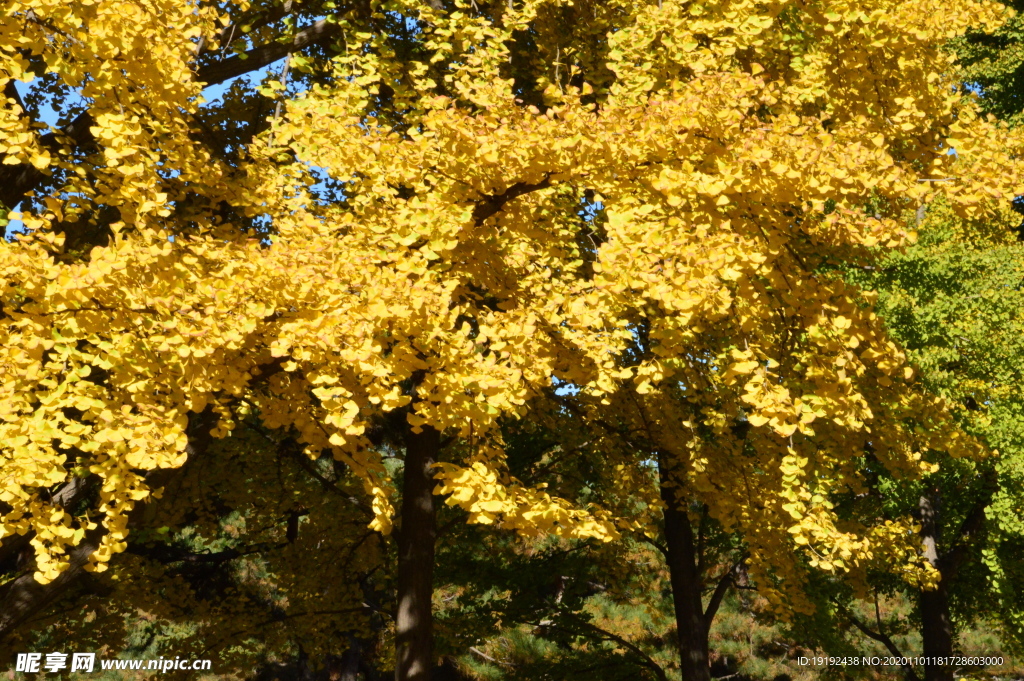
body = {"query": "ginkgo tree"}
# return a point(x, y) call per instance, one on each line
point(438, 210)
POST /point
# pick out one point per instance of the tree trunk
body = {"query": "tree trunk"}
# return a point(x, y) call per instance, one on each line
point(414, 657)
point(346, 667)
point(686, 583)
point(936, 626)
point(937, 632)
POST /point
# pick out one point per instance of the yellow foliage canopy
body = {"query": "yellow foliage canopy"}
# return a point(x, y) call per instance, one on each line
point(693, 174)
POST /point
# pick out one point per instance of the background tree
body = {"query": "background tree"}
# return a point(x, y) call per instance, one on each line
point(953, 301)
point(991, 63)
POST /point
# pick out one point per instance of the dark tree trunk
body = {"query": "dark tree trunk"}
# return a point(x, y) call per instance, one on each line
point(348, 663)
point(936, 632)
point(936, 626)
point(24, 597)
point(414, 657)
point(686, 581)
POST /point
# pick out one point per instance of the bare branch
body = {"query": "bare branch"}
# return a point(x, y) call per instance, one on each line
point(908, 670)
point(493, 204)
point(261, 56)
point(488, 657)
point(724, 582)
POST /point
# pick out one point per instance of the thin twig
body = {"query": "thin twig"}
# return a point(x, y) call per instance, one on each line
point(488, 657)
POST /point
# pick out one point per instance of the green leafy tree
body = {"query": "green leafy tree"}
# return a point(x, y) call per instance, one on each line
point(992, 65)
point(955, 301)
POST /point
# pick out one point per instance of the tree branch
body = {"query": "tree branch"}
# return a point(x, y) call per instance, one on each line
point(491, 205)
point(658, 545)
point(951, 559)
point(908, 670)
point(724, 582)
point(165, 553)
point(25, 597)
point(261, 56)
point(68, 496)
point(276, 620)
point(488, 657)
point(646, 659)
point(289, 450)
point(17, 180)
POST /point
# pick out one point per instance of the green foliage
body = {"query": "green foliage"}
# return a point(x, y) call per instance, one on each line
point(955, 301)
point(993, 63)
